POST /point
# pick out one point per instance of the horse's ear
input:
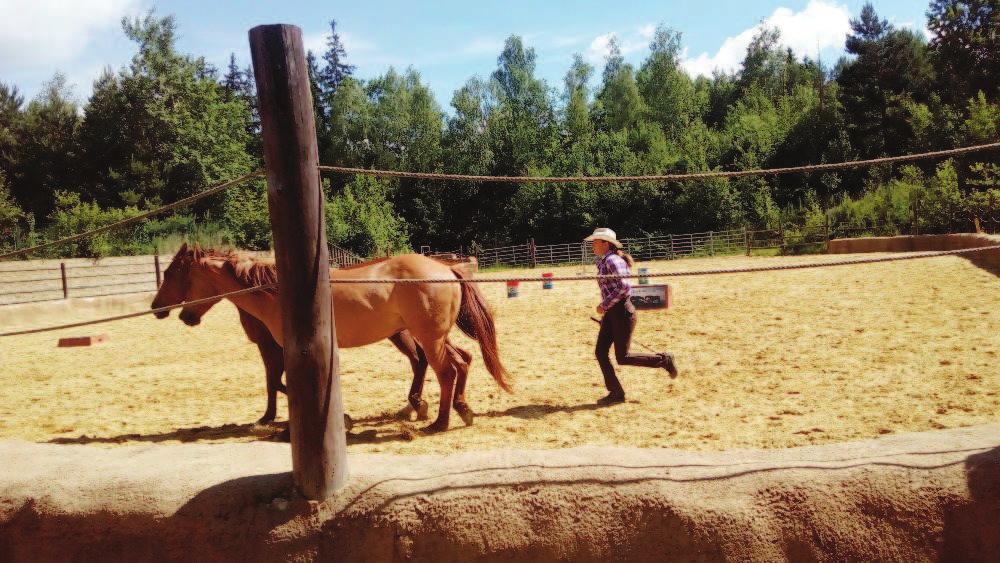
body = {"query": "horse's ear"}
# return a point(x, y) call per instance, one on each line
point(183, 248)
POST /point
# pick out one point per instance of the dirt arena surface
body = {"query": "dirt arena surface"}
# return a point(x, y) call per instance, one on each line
point(768, 360)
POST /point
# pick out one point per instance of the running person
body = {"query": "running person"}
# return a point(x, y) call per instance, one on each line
point(619, 316)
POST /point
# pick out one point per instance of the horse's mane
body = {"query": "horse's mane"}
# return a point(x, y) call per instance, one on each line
point(250, 270)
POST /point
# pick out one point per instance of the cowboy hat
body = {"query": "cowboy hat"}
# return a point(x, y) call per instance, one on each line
point(605, 234)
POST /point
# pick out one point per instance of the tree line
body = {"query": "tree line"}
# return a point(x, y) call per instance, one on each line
point(169, 124)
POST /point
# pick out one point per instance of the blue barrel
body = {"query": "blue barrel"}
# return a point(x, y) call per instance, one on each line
point(547, 281)
point(643, 280)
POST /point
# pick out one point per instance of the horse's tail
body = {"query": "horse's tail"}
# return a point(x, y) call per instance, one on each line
point(476, 321)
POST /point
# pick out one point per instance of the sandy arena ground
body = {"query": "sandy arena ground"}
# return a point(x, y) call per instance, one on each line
point(768, 360)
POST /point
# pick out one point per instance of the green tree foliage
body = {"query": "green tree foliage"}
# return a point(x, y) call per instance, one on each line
point(361, 219)
point(162, 127)
point(891, 68)
point(15, 224)
point(168, 125)
point(45, 148)
point(966, 47)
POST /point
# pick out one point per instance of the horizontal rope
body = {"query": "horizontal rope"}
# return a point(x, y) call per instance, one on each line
point(913, 256)
point(908, 256)
point(654, 178)
point(139, 313)
point(163, 209)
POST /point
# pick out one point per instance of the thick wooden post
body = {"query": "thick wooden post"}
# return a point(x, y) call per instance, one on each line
point(295, 201)
point(62, 270)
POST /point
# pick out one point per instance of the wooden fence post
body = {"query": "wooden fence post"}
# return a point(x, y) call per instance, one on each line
point(62, 270)
point(781, 232)
point(746, 239)
point(670, 253)
point(295, 202)
point(534, 252)
point(711, 244)
point(156, 266)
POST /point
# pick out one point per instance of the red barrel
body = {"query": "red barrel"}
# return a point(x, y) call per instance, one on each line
point(512, 288)
point(547, 283)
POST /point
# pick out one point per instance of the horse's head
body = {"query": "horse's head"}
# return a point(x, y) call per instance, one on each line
point(184, 281)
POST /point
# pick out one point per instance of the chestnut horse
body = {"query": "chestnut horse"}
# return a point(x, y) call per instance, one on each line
point(366, 313)
point(274, 362)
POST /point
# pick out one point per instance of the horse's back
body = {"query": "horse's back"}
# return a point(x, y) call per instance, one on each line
point(376, 311)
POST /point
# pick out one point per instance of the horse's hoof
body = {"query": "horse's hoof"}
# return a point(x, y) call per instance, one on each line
point(348, 422)
point(422, 410)
point(466, 413)
point(404, 413)
point(265, 419)
point(438, 426)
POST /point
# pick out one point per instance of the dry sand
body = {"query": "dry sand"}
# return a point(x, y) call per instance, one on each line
point(769, 360)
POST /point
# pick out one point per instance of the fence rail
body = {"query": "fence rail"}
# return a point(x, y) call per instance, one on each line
point(660, 247)
point(118, 276)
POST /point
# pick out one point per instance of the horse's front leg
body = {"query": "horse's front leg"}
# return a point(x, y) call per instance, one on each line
point(274, 366)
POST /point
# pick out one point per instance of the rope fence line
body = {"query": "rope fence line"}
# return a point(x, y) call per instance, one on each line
point(140, 313)
point(773, 268)
point(783, 267)
point(656, 178)
point(142, 216)
point(507, 179)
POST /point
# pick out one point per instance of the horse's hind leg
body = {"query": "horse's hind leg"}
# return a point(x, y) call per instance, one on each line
point(462, 360)
point(405, 343)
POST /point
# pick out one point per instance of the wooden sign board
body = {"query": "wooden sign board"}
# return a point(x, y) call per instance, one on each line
point(652, 296)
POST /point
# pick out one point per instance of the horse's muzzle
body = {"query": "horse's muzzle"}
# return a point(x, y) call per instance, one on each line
point(190, 319)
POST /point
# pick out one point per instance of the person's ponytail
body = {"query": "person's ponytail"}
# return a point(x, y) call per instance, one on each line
point(626, 256)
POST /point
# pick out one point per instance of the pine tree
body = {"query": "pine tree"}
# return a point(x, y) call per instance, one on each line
point(336, 68)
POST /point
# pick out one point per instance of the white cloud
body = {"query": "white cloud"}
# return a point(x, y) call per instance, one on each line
point(600, 47)
point(820, 25)
point(483, 46)
point(47, 32)
point(647, 31)
point(361, 52)
point(928, 34)
point(566, 40)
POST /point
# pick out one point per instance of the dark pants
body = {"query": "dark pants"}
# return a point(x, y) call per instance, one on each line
point(616, 327)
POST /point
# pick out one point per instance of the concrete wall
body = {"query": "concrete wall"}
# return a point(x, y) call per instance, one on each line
point(931, 496)
point(987, 259)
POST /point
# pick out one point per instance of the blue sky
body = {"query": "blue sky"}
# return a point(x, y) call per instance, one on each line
point(446, 41)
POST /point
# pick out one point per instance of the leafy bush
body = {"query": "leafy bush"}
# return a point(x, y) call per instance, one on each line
point(361, 219)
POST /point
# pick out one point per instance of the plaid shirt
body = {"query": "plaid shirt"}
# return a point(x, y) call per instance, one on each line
point(613, 290)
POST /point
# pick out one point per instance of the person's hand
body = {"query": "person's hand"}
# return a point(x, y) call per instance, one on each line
point(600, 310)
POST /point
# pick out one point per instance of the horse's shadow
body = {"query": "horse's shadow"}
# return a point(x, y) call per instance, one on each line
point(524, 412)
point(266, 432)
point(534, 412)
point(278, 431)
